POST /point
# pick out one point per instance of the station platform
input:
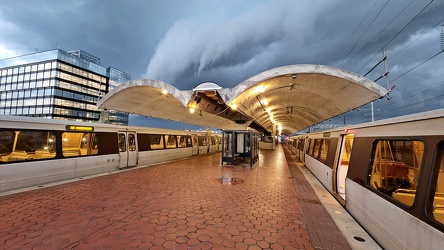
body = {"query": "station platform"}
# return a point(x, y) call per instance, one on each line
point(194, 203)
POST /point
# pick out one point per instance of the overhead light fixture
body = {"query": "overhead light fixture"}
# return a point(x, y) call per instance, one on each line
point(260, 89)
point(233, 106)
point(192, 110)
point(289, 110)
point(164, 91)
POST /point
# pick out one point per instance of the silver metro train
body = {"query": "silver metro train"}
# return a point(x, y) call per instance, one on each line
point(35, 151)
point(388, 174)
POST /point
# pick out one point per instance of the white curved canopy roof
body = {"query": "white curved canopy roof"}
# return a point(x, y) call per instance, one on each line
point(295, 96)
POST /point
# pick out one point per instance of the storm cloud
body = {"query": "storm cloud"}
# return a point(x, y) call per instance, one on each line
point(185, 43)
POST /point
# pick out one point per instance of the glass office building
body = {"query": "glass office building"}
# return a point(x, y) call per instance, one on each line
point(57, 84)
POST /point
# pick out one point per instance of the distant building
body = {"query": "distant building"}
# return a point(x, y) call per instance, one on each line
point(57, 84)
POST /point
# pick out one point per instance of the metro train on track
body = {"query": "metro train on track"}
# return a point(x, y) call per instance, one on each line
point(37, 151)
point(388, 174)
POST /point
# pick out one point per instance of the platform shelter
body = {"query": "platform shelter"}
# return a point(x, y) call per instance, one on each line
point(283, 100)
point(240, 144)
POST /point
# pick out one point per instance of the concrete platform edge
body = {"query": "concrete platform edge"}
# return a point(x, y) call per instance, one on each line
point(345, 222)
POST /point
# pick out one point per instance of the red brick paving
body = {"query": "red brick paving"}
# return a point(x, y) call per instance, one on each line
point(176, 205)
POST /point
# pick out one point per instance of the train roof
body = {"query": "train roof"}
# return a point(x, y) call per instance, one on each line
point(37, 122)
point(432, 114)
point(399, 120)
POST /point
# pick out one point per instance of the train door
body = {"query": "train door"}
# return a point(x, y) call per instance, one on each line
point(127, 149)
point(343, 163)
point(195, 144)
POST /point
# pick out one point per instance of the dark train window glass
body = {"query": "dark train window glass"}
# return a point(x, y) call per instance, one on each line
point(6, 142)
point(156, 142)
point(324, 150)
point(301, 144)
point(189, 141)
point(195, 141)
point(79, 144)
point(181, 141)
point(202, 140)
point(29, 145)
point(316, 146)
point(310, 147)
point(95, 143)
point(395, 167)
point(170, 141)
point(122, 143)
point(438, 198)
point(132, 142)
point(212, 140)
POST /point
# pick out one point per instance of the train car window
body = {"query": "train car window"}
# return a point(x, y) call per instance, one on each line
point(324, 150)
point(202, 140)
point(189, 141)
point(195, 141)
point(170, 141)
point(316, 147)
point(181, 141)
point(85, 140)
point(346, 152)
point(301, 144)
point(310, 148)
point(132, 142)
point(438, 197)
point(395, 167)
point(79, 144)
point(122, 143)
point(212, 140)
point(95, 142)
point(156, 142)
point(6, 142)
point(29, 145)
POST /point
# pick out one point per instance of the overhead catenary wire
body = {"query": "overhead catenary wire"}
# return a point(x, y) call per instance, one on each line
point(362, 35)
point(403, 107)
point(417, 66)
point(399, 51)
point(354, 32)
point(391, 21)
point(433, 88)
point(399, 32)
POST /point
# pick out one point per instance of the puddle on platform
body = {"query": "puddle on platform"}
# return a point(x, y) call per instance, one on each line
point(231, 180)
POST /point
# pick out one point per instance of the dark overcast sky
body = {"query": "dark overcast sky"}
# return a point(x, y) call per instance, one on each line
point(184, 43)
